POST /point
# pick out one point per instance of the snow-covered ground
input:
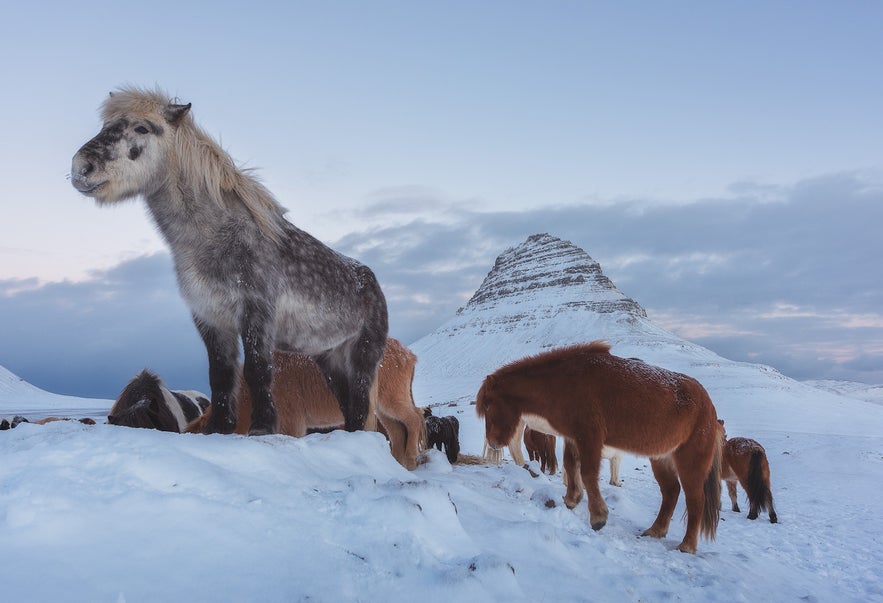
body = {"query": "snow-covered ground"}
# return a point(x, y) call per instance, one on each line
point(106, 513)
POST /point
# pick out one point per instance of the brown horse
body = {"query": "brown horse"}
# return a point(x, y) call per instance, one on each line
point(305, 402)
point(541, 447)
point(593, 398)
point(745, 461)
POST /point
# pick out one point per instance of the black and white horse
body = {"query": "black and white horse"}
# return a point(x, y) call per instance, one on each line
point(246, 273)
point(146, 402)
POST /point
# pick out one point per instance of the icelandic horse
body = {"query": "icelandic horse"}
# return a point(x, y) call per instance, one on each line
point(246, 273)
point(541, 447)
point(595, 399)
point(745, 461)
point(305, 402)
point(147, 403)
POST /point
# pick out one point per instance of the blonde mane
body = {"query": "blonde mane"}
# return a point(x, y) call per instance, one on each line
point(200, 160)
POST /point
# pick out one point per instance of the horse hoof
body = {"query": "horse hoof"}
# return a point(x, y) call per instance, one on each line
point(686, 548)
point(653, 533)
point(774, 519)
point(599, 524)
point(223, 428)
point(259, 430)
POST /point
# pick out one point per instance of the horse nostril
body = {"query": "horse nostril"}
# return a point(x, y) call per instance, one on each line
point(86, 168)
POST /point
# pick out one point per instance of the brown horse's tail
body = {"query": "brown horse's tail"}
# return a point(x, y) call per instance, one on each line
point(756, 486)
point(712, 512)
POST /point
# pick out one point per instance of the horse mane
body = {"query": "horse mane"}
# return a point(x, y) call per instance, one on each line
point(201, 160)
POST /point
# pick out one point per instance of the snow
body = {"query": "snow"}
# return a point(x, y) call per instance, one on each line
point(108, 513)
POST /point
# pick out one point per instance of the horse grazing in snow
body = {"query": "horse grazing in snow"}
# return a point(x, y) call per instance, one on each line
point(145, 402)
point(593, 398)
point(305, 402)
point(443, 431)
point(541, 447)
point(245, 272)
point(745, 461)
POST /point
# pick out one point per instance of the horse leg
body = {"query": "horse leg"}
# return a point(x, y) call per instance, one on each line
point(572, 480)
point(258, 343)
point(694, 467)
point(667, 477)
point(614, 469)
point(553, 458)
point(223, 353)
point(415, 433)
point(734, 499)
point(398, 436)
point(772, 511)
point(590, 466)
point(515, 445)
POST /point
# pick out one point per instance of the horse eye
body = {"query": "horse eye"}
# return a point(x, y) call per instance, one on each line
point(141, 130)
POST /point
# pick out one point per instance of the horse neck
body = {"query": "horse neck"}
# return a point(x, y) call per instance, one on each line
point(184, 214)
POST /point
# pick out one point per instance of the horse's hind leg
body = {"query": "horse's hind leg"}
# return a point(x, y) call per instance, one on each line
point(667, 477)
point(771, 509)
point(223, 353)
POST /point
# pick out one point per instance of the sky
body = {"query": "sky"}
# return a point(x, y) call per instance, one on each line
point(722, 163)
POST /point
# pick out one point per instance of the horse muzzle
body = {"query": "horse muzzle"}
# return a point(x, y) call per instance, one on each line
point(81, 169)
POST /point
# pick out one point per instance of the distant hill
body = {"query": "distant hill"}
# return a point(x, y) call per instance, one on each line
point(547, 292)
point(17, 396)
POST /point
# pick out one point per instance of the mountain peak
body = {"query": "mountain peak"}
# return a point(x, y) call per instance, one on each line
point(544, 266)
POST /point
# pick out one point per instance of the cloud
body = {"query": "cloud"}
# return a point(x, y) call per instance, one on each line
point(768, 273)
point(89, 338)
point(785, 276)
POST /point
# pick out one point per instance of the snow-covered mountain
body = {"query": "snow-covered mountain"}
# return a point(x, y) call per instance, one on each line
point(547, 292)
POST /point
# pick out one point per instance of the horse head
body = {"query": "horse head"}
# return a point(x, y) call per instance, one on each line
point(143, 404)
point(129, 156)
point(500, 416)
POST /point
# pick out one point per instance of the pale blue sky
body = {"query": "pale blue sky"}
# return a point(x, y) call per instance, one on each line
point(480, 121)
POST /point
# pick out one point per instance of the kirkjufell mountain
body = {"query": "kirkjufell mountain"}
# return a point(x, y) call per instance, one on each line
point(547, 293)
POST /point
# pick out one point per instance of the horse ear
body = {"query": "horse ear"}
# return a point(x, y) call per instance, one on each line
point(175, 113)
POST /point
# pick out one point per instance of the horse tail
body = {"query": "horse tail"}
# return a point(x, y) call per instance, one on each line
point(711, 513)
point(756, 486)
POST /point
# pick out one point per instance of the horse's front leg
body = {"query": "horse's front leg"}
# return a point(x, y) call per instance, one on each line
point(258, 343)
point(223, 353)
point(572, 479)
point(590, 466)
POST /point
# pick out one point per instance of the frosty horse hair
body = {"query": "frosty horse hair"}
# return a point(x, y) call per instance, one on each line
point(593, 398)
point(245, 272)
point(541, 447)
point(745, 461)
point(145, 402)
point(443, 431)
point(306, 403)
